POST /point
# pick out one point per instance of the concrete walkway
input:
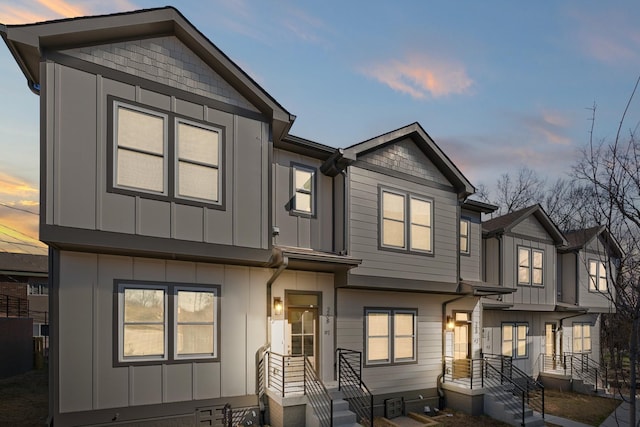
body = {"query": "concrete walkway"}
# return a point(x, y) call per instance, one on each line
point(563, 421)
point(620, 417)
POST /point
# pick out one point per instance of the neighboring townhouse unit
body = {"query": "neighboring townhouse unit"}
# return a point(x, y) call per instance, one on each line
point(551, 321)
point(209, 268)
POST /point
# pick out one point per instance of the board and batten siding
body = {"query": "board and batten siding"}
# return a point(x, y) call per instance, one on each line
point(531, 227)
point(528, 294)
point(568, 277)
point(364, 188)
point(470, 264)
point(594, 250)
point(302, 231)
point(76, 107)
point(87, 378)
point(403, 377)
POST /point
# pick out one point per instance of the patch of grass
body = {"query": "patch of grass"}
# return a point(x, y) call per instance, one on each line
point(24, 399)
point(587, 409)
point(458, 419)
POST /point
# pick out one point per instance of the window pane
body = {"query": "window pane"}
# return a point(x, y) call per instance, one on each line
point(462, 317)
point(507, 348)
point(195, 339)
point(420, 212)
point(143, 340)
point(378, 324)
point(507, 340)
point(378, 349)
point(198, 144)
point(196, 306)
point(403, 324)
point(304, 179)
point(140, 131)
point(464, 228)
point(140, 170)
point(586, 331)
point(593, 268)
point(464, 244)
point(522, 348)
point(537, 259)
point(420, 237)
point(523, 257)
point(303, 202)
point(308, 345)
point(403, 348)
point(307, 323)
point(393, 206)
point(523, 275)
point(296, 345)
point(537, 276)
point(197, 181)
point(143, 305)
point(522, 332)
point(602, 284)
point(393, 233)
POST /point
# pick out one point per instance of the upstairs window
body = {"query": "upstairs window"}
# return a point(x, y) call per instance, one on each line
point(406, 222)
point(162, 156)
point(530, 267)
point(140, 149)
point(581, 337)
point(303, 189)
point(597, 276)
point(464, 236)
point(198, 161)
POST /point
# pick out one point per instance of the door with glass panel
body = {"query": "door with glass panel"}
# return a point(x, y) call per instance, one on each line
point(550, 345)
point(461, 345)
point(303, 325)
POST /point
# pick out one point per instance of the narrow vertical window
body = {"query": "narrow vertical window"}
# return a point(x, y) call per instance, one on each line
point(521, 345)
point(143, 323)
point(378, 337)
point(404, 336)
point(507, 340)
point(464, 236)
point(198, 161)
point(420, 231)
point(195, 324)
point(393, 219)
point(303, 187)
point(524, 265)
point(597, 276)
point(140, 149)
point(537, 270)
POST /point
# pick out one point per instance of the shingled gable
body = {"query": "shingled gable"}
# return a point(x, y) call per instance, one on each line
point(31, 43)
point(505, 223)
point(578, 239)
point(424, 142)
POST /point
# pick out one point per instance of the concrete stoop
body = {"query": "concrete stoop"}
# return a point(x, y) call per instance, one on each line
point(342, 416)
point(503, 406)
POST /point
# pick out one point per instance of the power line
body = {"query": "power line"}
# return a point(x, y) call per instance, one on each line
point(23, 244)
point(18, 209)
point(19, 232)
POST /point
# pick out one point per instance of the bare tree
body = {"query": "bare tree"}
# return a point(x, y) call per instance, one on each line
point(611, 171)
point(513, 193)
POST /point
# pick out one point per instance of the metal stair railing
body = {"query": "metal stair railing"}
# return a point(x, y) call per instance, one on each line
point(353, 388)
point(285, 374)
point(584, 368)
point(462, 371)
point(492, 378)
point(317, 395)
point(552, 363)
point(534, 389)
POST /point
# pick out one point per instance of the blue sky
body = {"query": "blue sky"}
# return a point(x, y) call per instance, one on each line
point(497, 84)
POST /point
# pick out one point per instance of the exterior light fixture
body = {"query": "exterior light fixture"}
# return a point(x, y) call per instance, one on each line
point(450, 323)
point(277, 306)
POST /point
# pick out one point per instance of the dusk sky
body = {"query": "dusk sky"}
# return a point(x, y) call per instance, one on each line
point(497, 84)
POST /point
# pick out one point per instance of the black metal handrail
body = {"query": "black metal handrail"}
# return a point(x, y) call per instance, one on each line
point(13, 306)
point(584, 368)
point(493, 378)
point(285, 374)
point(462, 370)
point(351, 385)
point(534, 389)
point(317, 395)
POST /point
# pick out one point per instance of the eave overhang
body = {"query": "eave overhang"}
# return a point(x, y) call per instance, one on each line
point(311, 260)
point(29, 43)
point(483, 289)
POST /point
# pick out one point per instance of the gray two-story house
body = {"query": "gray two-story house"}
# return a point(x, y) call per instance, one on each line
point(203, 260)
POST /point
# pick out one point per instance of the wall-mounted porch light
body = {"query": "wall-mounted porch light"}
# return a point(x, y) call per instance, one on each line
point(450, 323)
point(277, 306)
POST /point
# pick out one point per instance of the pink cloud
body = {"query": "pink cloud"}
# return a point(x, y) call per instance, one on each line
point(549, 125)
point(421, 76)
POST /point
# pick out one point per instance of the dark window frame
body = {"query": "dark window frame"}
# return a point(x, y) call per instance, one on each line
point(293, 190)
point(530, 252)
point(170, 157)
point(467, 236)
point(407, 196)
point(594, 281)
point(514, 339)
point(390, 311)
point(170, 305)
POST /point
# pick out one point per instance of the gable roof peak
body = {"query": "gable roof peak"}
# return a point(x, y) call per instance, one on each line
point(506, 223)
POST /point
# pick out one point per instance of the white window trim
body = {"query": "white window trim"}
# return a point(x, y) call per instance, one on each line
point(165, 144)
point(177, 161)
point(215, 292)
point(121, 357)
point(407, 222)
point(392, 360)
point(601, 273)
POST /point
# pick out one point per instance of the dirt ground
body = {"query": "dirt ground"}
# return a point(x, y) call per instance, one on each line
point(24, 399)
